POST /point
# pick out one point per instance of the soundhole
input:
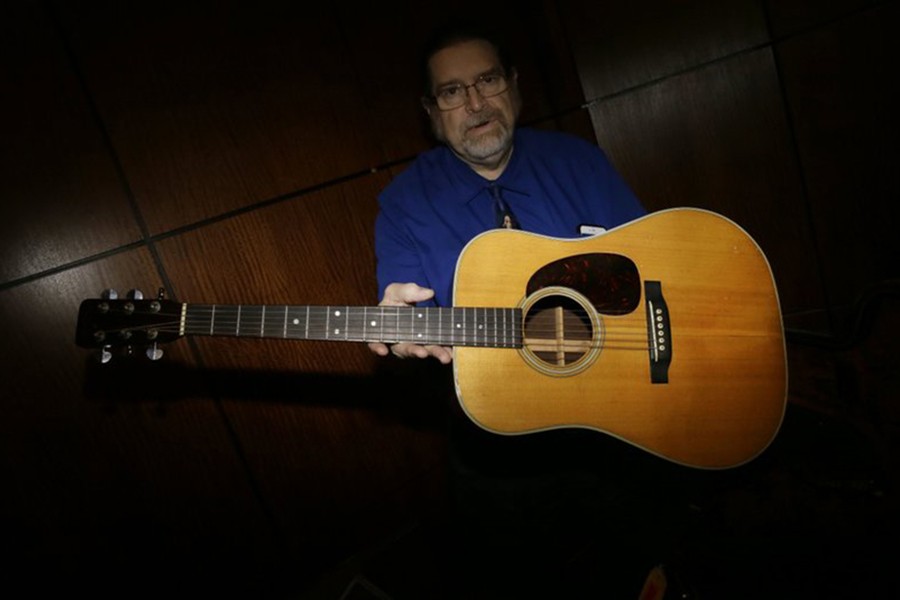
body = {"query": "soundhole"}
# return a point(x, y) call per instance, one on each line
point(562, 331)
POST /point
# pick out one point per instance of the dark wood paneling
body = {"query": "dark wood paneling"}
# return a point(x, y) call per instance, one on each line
point(620, 45)
point(61, 198)
point(314, 249)
point(383, 42)
point(838, 81)
point(548, 77)
point(787, 17)
point(212, 106)
point(116, 473)
point(319, 422)
point(717, 138)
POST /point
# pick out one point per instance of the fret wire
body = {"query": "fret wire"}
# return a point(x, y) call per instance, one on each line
point(464, 325)
point(473, 326)
point(506, 341)
point(492, 322)
point(496, 339)
point(478, 326)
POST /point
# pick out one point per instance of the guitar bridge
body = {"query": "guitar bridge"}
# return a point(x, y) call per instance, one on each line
point(659, 332)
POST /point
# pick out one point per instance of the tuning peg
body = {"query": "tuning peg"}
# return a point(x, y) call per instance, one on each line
point(109, 294)
point(105, 355)
point(136, 294)
point(154, 352)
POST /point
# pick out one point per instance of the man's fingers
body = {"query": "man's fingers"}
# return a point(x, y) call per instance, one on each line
point(405, 293)
point(379, 349)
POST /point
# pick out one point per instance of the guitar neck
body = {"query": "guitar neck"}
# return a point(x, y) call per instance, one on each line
point(487, 327)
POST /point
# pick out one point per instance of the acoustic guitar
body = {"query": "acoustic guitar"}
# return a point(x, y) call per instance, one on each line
point(665, 333)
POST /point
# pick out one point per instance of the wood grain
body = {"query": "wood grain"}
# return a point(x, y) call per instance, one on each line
point(727, 386)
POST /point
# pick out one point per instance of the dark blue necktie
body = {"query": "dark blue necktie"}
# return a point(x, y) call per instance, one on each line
point(504, 216)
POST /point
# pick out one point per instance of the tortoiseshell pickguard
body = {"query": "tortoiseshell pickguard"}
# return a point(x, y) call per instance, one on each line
point(611, 282)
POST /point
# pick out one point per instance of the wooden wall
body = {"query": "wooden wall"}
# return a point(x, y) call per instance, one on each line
point(776, 114)
point(231, 152)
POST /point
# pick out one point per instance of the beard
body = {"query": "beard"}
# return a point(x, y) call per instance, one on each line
point(475, 147)
point(485, 145)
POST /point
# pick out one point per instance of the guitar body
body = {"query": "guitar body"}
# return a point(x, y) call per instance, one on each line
point(716, 402)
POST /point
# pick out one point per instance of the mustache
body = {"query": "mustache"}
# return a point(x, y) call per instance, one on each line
point(481, 118)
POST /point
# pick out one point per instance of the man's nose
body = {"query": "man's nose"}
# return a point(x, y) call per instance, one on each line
point(474, 99)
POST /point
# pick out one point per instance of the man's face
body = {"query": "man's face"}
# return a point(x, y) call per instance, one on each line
point(480, 131)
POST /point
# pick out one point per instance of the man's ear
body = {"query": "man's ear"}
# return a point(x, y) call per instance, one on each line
point(426, 104)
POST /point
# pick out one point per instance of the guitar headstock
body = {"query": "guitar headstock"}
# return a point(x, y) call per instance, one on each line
point(108, 322)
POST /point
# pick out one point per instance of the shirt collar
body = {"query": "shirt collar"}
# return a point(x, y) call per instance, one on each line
point(471, 184)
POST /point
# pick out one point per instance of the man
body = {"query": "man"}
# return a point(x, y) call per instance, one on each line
point(553, 183)
point(519, 499)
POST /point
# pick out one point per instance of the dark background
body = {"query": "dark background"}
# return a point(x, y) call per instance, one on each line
point(231, 152)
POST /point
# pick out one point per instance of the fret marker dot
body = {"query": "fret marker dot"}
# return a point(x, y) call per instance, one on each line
point(337, 332)
point(296, 321)
point(419, 315)
point(337, 313)
point(373, 323)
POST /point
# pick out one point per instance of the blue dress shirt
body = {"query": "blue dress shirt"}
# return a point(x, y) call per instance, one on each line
point(554, 183)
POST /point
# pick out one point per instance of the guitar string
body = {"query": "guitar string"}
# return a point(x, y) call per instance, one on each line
point(400, 335)
point(400, 321)
point(618, 337)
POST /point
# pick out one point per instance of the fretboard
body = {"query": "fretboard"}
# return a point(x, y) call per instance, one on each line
point(489, 327)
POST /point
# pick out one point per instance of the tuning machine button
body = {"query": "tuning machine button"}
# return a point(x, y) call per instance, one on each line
point(154, 352)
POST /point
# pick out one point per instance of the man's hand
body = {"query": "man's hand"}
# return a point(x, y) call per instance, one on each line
point(407, 294)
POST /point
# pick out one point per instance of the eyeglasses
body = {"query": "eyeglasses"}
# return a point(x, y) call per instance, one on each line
point(455, 95)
